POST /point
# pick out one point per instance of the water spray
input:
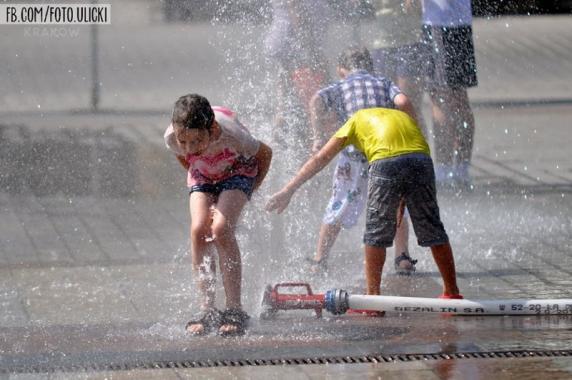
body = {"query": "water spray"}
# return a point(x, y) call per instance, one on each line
point(338, 301)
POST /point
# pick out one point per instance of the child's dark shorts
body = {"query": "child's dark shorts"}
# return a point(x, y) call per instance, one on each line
point(239, 182)
point(411, 177)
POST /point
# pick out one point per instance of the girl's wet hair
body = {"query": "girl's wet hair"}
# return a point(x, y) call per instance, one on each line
point(193, 111)
point(356, 58)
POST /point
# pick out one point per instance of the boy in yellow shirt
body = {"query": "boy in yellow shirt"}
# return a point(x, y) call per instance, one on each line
point(400, 174)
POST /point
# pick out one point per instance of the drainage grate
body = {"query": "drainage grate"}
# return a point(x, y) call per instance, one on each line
point(375, 358)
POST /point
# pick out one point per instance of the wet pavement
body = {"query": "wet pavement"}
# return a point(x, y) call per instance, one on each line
point(93, 267)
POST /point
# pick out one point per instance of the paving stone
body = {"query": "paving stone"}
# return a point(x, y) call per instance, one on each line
point(143, 374)
point(501, 369)
point(13, 313)
point(87, 295)
point(162, 292)
point(17, 245)
point(259, 373)
point(40, 228)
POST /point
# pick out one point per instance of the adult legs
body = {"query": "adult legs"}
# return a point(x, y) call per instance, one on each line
point(465, 125)
point(443, 130)
point(414, 91)
point(453, 129)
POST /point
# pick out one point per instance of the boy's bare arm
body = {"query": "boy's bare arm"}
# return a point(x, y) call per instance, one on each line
point(183, 162)
point(317, 162)
point(402, 103)
point(263, 157)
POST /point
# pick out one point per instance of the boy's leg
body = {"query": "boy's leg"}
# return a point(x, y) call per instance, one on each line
point(401, 243)
point(424, 210)
point(346, 203)
point(374, 260)
point(203, 264)
point(443, 255)
point(326, 239)
point(227, 211)
point(329, 233)
point(383, 206)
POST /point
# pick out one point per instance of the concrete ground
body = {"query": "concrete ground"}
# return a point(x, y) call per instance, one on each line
point(94, 222)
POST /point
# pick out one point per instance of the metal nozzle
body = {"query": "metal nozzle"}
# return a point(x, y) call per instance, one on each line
point(337, 301)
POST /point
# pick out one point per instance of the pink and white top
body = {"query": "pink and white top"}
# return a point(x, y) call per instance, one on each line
point(230, 155)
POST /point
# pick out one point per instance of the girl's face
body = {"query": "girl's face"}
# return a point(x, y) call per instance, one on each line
point(192, 141)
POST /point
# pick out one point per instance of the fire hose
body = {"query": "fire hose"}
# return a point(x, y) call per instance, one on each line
point(338, 301)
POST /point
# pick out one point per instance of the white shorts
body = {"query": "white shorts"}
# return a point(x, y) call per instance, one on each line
point(349, 192)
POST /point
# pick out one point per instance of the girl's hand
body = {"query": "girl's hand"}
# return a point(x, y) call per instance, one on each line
point(279, 201)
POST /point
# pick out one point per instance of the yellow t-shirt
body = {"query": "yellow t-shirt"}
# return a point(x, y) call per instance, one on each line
point(383, 133)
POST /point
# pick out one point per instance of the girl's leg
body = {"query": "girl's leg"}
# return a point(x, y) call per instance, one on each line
point(203, 264)
point(227, 211)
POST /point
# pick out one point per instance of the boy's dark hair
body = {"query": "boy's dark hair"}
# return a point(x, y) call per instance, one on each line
point(193, 111)
point(356, 58)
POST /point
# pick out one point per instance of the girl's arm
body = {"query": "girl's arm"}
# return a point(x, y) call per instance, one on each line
point(183, 162)
point(263, 157)
point(314, 165)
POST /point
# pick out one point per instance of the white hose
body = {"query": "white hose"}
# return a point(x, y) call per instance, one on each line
point(461, 307)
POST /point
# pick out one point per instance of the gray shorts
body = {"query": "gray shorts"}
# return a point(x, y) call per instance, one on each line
point(410, 177)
